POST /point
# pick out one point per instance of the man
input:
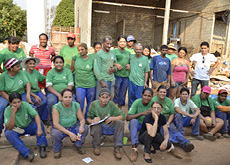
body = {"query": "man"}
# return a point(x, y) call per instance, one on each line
point(160, 70)
point(13, 51)
point(139, 68)
point(222, 109)
point(68, 51)
point(114, 125)
point(122, 75)
point(171, 52)
point(104, 67)
point(131, 41)
point(205, 104)
point(202, 70)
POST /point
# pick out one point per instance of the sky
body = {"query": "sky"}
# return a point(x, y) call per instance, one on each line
point(22, 3)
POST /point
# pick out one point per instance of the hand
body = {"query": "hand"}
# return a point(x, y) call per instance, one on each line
point(28, 99)
point(185, 82)
point(38, 100)
point(81, 129)
point(13, 109)
point(96, 119)
point(146, 86)
point(111, 70)
point(168, 85)
point(128, 67)
point(192, 121)
point(73, 137)
point(119, 67)
point(163, 145)
point(153, 85)
point(39, 132)
point(213, 123)
point(173, 83)
point(167, 125)
point(154, 115)
point(59, 98)
point(109, 120)
point(146, 112)
point(192, 73)
point(103, 84)
point(190, 115)
point(208, 124)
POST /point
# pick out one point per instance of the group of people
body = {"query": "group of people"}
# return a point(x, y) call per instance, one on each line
point(55, 96)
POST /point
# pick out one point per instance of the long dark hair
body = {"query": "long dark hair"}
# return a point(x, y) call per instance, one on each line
point(147, 47)
point(13, 96)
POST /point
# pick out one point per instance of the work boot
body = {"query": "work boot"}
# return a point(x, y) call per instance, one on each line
point(198, 137)
point(176, 154)
point(188, 147)
point(97, 151)
point(30, 156)
point(133, 155)
point(80, 150)
point(117, 153)
point(217, 135)
point(57, 155)
point(225, 135)
point(42, 151)
point(209, 136)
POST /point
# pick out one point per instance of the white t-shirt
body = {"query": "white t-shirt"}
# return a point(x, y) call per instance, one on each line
point(188, 107)
point(202, 68)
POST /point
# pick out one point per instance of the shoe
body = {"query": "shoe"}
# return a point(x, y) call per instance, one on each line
point(18, 130)
point(30, 156)
point(198, 137)
point(176, 154)
point(42, 151)
point(209, 136)
point(117, 153)
point(226, 135)
point(148, 160)
point(217, 135)
point(133, 155)
point(153, 151)
point(188, 147)
point(80, 151)
point(97, 151)
point(57, 155)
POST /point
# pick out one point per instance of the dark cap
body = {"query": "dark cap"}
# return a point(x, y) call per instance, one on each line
point(104, 91)
point(11, 62)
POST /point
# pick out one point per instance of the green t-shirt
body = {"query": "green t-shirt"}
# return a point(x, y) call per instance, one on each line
point(22, 116)
point(67, 53)
point(197, 100)
point(13, 84)
point(59, 81)
point(131, 51)
point(67, 116)
point(168, 107)
point(123, 58)
point(111, 109)
point(216, 103)
point(138, 68)
point(84, 75)
point(93, 55)
point(138, 107)
point(34, 78)
point(171, 57)
point(103, 62)
point(5, 54)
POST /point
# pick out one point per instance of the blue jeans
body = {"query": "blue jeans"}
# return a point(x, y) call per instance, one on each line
point(110, 86)
point(14, 138)
point(135, 92)
point(120, 89)
point(181, 122)
point(115, 128)
point(224, 116)
point(42, 107)
point(57, 136)
point(134, 128)
point(3, 104)
point(51, 100)
point(89, 94)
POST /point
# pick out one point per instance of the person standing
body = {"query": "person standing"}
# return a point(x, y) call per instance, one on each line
point(130, 45)
point(96, 46)
point(171, 52)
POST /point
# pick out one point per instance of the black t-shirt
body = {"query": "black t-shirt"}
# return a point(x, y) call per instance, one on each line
point(149, 119)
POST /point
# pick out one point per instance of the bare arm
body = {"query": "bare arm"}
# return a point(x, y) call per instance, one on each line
point(70, 87)
point(146, 79)
point(52, 90)
point(28, 92)
point(130, 117)
point(179, 110)
point(72, 65)
point(224, 108)
point(82, 120)
point(38, 123)
point(4, 95)
point(11, 123)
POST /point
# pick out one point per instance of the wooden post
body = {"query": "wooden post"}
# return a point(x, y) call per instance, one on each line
point(166, 22)
point(227, 36)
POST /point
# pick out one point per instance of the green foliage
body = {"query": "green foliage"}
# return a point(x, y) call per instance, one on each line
point(12, 19)
point(65, 14)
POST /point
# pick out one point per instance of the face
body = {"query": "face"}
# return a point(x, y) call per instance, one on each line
point(222, 97)
point(70, 41)
point(146, 52)
point(82, 51)
point(16, 103)
point(157, 109)
point(147, 96)
point(15, 68)
point(204, 95)
point(13, 47)
point(104, 99)
point(164, 51)
point(162, 94)
point(30, 64)
point(181, 53)
point(130, 43)
point(67, 98)
point(107, 44)
point(58, 64)
point(43, 40)
point(97, 48)
point(121, 43)
point(138, 50)
point(204, 49)
point(170, 51)
point(184, 95)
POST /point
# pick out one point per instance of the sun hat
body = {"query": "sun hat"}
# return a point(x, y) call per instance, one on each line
point(24, 61)
point(171, 46)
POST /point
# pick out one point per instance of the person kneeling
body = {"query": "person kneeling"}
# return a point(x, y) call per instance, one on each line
point(18, 120)
point(65, 115)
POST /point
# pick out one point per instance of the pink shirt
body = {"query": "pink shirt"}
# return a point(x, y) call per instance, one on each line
point(179, 73)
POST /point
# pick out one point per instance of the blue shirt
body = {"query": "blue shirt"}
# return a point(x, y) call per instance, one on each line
point(161, 68)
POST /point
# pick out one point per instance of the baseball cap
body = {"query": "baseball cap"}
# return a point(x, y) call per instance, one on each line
point(206, 89)
point(70, 35)
point(222, 91)
point(131, 38)
point(11, 62)
point(104, 91)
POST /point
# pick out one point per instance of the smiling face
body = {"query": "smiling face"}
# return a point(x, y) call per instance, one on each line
point(70, 41)
point(146, 97)
point(138, 50)
point(146, 51)
point(58, 64)
point(104, 99)
point(162, 94)
point(16, 103)
point(30, 65)
point(204, 49)
point(130, 43)
point(67, 98)
point(16, 68)
point(13, 47)
point(204, 95)
point(97, 48)
point(222, 97)
point(121, 43)
point(82, 51)
point(107, 44)
point(43, 41)
point(181, 53)
point(184, 96)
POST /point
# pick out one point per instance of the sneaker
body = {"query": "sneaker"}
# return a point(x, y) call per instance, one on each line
point(80, 151)
point(57, 155)
point(218, 135)
point(42, 151)
point(176, 154)
point(133, 155)
point(30, 156)
point(97, 151)
point(225, 135)
point(209, 136)
point(117, 153)
point(198, 137)
point(188, 147)
point(18, 130)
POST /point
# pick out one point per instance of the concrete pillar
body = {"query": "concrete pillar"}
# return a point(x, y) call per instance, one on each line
point(226, 50)
point(166, 22)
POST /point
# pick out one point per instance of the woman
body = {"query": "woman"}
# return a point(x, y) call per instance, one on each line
point(65, 116)
point(13, 80)
point(19, 121)
point(180, 73)
point(57, 79)
point(96, 46)
point(150, 135)
point(147, 53)
point(85, 81)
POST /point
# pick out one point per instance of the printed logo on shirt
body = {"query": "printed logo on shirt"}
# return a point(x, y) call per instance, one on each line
point(35, 80)
point(112, 58)
point(166, 108)
point(162, 63)
point(64, 77)
point(26, 116)
point(20, 82)
point(140, 65)
point(87, 66)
